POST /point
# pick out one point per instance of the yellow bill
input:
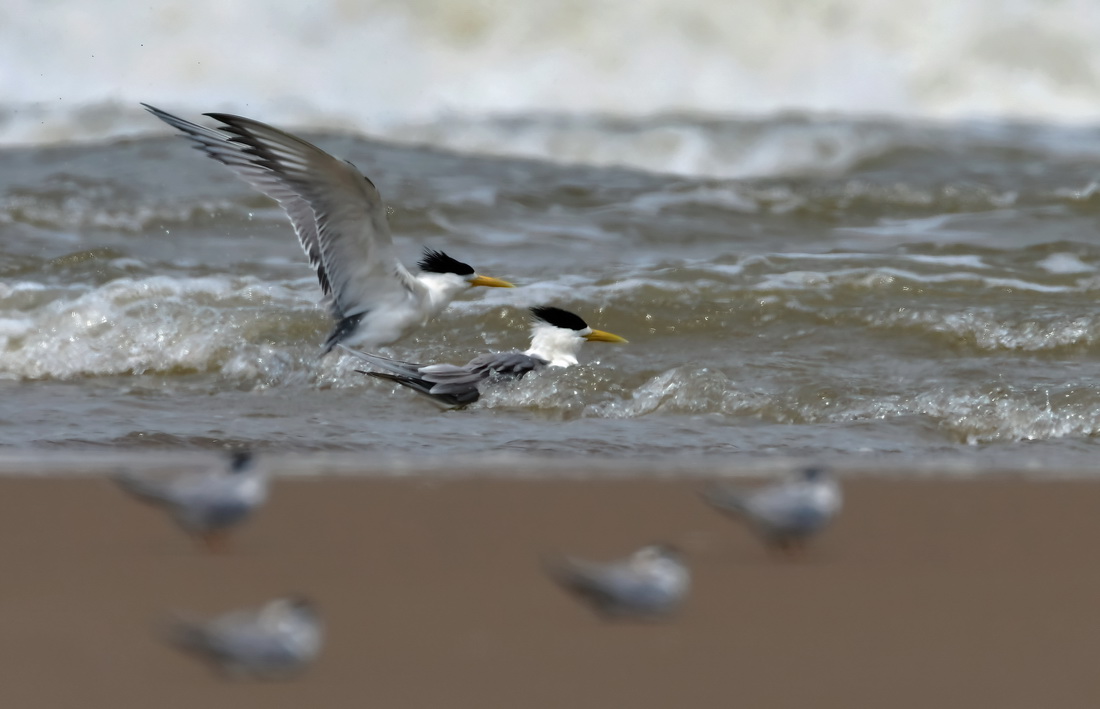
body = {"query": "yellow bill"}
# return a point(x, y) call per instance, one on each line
point(601, 336)
point(490, 282)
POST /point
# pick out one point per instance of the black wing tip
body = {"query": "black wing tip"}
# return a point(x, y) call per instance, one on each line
point(815, 472)
point(169, 118)
point(341, 331)
point(230, 119)
point(383, 375)
point(438, 262)
point(559, 318)
point(226, 118)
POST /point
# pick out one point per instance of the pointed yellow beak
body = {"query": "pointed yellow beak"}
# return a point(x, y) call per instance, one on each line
point(601, 336)
point(490, 282)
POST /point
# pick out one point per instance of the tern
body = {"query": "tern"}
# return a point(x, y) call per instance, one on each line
point(785, 515)
point(341, 223)
point(556, 338)
point(208, 504)
point(651, 582)
point(275, 641)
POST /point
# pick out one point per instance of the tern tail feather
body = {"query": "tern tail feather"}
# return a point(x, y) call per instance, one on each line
point(186, 634)
point(151, 491)
point(725, 500)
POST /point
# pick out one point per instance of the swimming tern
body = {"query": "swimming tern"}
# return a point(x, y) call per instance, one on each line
point(556, 338)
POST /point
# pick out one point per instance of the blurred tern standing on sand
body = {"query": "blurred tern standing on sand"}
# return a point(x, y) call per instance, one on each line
point(275, 641)
point(784, 515)
point(207, 504)
point(651, 582)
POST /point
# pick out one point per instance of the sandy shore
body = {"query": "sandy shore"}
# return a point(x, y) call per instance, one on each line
point(924, 594)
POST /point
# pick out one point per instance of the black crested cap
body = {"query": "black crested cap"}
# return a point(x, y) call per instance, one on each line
point(240, 460)
point(439, 262)
point(815, 472)
point(301, 602)
point(559, 318)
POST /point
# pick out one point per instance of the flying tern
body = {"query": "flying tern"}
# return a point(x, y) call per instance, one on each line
point(207, 504)
point(274, 641)
point(341, 223)
point(651, 582)
point(785, 515)
point(556, 338)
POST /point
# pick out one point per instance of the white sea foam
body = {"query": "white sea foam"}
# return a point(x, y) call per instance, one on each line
point(437, 71)
point(980, 415)
point(725, 198)
point(153, 324)
point(1064, 263)
point(987, 329)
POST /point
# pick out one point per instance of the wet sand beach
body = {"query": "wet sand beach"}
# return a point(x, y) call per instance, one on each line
point(967, 593)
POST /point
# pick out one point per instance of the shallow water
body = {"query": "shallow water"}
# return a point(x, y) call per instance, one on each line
point(934, 296)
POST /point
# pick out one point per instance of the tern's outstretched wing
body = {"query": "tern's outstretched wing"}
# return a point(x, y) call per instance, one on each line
point(337, 213)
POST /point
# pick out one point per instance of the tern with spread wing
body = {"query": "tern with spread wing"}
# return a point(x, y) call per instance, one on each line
point(556, 338)
point(275, 641)
point(651, 582)
point(341, 223)
point(206, 504)
point(785, 515)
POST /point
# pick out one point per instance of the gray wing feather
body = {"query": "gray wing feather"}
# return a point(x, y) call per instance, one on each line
point(725, 499)
point(613, 588)
point(146, 489)
point(408, 369)
point(337, 213)
point(458, 384)
point(449, 378)
point(237, 638)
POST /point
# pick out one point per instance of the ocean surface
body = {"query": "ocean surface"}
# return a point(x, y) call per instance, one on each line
point(875, 255)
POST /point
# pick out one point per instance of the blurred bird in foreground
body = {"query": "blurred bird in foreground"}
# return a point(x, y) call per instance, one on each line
point(274, 641)
point(208, 504)
point(784, 515)
point(556, 339)
point(651, 582)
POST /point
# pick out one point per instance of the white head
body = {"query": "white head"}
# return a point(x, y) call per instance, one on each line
point(557, 336)
point(657, 552)
point(297, 619)
point(664, 566)
point(445, 278)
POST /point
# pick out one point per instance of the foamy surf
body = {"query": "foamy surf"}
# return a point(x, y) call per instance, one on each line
point(929, 292)
point(646, 85)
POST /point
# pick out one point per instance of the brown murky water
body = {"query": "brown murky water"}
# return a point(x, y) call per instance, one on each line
point(932, 294)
